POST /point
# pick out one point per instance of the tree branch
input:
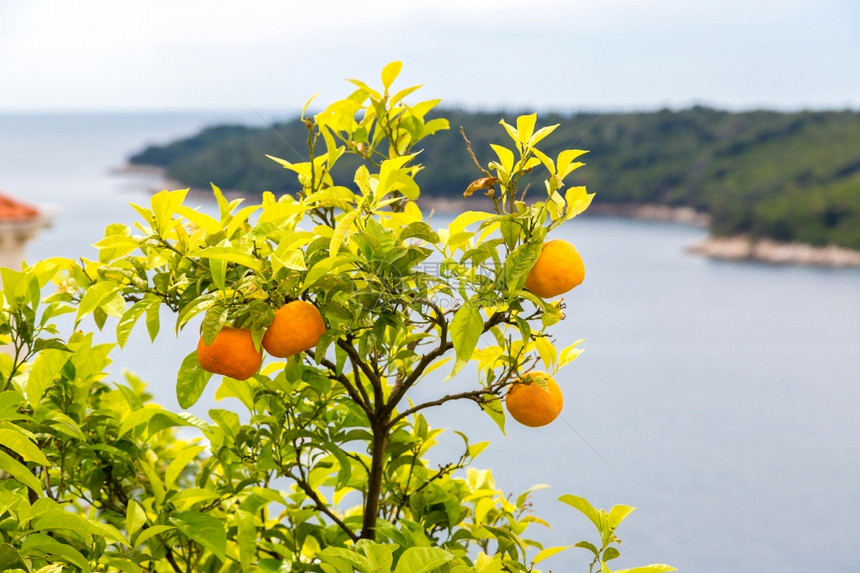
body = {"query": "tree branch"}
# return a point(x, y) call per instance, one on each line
point(365, 368)
point(311, 493)
point(444, 346)
point(472, 153)
point(357, 375)
point(474, 395)
point(350, 389)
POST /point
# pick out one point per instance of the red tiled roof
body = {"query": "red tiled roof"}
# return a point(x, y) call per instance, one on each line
point(12, 210)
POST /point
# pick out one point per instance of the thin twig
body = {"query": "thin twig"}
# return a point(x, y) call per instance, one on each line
point(472, 153)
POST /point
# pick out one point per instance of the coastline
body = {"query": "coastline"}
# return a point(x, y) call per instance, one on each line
point(744, 248)
point(731, 248)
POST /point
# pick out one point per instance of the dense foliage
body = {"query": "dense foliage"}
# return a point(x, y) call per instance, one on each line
point(787, 176)
point(323, 464)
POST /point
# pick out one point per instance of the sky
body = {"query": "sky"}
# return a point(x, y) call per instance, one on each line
point(560, 55)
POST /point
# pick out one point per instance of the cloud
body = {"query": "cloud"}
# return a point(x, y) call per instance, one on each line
point(548, 53)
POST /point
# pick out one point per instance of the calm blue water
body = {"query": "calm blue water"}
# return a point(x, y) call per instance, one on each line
point(723, 397)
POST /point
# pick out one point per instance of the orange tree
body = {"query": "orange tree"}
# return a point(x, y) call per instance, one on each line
point(327, 468)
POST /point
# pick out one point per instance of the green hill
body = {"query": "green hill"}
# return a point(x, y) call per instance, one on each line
point(787, 176)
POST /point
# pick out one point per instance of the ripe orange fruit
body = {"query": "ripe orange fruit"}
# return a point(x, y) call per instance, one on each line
point(232, 354)
point(297, 327)
point(531, 405)
point(559, 268)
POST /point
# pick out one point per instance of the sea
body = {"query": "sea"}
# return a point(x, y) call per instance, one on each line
point(721, 399)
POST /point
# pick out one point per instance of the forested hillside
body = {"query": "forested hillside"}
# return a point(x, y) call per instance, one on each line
point(788, 176)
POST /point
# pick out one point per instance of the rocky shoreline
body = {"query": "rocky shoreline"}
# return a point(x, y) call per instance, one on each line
point(651, 212)
point(743, 248)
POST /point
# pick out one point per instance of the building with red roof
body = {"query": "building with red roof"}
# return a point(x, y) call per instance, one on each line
point(19, 224)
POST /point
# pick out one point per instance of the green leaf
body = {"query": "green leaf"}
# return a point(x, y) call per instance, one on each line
point(583, 505)
point(611, 553)
point(493, 407)
point(656, 568)
point(153, 320)
point(154, 481)
point(58, 519)
point(324, 267)
point(418, 230)
point(21, 445)
point(519, 263)
point(465, 331)
point(214, 320)
point(589, 546)
point(422, 560)
point(379, 554)
point(246, 538)
point(338, 556)
point(129, 319)
point(123, 564)
point(178, 464)
point(486, 564)
point(193, 308)
point(238, 389)
point(46, 367)
point(218, 269)
point(205, 529)
point(13, 284)
point(549, 552)
point(10, 403)
point(11, 559)
point(191, 381)
point(41, 544)
point(20, 472)
point(150, 532)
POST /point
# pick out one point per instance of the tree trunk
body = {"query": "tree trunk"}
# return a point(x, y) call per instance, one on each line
point(374, 481)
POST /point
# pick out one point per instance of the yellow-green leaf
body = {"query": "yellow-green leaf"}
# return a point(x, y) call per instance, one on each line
point(465, 331)
point(577, 200)
point(20, 472)
point(21, 445)
point(178, 464)
point(46, 367)
point(135, 517)
point(340, 232)
point(526, 127)
point(390, 73)
point(549, 552)
point(229, 254)
point(96, 296)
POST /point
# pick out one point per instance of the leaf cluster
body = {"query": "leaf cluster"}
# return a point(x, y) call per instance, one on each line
point(324, 467)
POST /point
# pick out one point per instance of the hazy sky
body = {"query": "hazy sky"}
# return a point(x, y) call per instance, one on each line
point(559, 54)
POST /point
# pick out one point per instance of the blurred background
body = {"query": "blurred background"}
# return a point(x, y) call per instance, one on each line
point(721, 398)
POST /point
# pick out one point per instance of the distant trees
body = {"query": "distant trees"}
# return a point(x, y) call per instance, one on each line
point(788, 176)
